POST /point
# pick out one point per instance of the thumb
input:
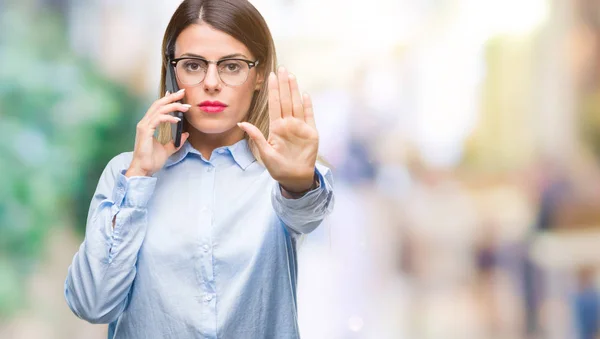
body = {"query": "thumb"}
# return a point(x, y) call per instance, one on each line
point(256, 135)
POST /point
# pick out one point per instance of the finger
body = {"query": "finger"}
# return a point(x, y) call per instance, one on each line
point(167, 99)
point(172, 97)
point(172, 108)
point(256, 135)
point(297, 108)
point(274, 105)
point(309, 115)
point(284, 93)
point(157, 120)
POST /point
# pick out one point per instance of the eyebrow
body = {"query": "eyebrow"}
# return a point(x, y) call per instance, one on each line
point(229, 56)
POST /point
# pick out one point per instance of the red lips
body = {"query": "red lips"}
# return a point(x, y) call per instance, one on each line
point(212, 103)
point(212, 106)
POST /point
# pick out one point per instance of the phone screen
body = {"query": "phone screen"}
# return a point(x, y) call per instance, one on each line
point(171, 85)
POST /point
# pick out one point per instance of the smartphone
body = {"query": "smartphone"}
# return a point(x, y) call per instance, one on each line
point(171, 86)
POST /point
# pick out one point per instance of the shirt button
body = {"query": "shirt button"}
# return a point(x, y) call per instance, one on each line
point(221, 151)
point(205, 248)
point(210, 169)
point(208, 297)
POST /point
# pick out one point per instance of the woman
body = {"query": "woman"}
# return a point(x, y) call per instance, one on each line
point(199, 241)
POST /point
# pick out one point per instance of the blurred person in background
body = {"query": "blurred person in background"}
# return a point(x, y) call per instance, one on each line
point(487, 262)
point(552, 190)
point(178, 235)
point(586, 304)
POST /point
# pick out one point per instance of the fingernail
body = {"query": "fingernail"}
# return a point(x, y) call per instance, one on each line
point(178, 119)
point(166, 93)
point(187, 105)
point(291, 76)
point(181, 90)
point(281, 69)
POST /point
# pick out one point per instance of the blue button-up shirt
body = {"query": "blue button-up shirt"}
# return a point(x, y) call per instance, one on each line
point(202, 249)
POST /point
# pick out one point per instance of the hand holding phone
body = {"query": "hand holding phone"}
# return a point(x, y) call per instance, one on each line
point(149, 155)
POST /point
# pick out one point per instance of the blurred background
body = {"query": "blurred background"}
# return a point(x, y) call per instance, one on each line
point(464, 137)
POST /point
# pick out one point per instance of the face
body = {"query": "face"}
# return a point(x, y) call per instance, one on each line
point(201, 40)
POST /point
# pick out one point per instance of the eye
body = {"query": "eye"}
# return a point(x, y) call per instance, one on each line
point(231, 66)
point(194, 66)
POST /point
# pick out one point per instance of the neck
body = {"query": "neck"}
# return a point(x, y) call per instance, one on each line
point(206, 143)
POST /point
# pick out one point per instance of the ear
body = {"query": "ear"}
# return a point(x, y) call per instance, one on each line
point(260, 79)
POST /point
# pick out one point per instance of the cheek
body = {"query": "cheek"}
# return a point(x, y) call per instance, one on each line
point(244, 97)
point(193, 95)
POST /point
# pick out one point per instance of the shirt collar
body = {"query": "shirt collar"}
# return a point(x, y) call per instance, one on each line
point(240, 152)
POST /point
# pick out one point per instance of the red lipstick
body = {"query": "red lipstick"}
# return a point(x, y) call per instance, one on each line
point(212, 106)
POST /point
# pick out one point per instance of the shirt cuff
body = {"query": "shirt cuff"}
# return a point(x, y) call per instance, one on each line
point(134, 191)
point(306, 198)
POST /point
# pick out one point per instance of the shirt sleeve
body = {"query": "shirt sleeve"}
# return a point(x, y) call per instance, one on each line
point(304, 214)
point(102, 271)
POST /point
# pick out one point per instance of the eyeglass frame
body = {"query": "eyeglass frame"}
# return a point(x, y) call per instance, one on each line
point(251, 64)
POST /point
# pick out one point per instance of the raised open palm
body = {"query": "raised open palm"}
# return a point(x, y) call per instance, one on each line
point(290, 151)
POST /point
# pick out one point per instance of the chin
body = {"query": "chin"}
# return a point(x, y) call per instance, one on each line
point(213, 127)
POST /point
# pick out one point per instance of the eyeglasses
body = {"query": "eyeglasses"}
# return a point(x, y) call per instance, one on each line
point(192, 70)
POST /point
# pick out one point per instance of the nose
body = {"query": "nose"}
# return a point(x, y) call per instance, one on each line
point(212, 83)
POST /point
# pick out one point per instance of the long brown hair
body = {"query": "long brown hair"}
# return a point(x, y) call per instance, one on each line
point(241, 20)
